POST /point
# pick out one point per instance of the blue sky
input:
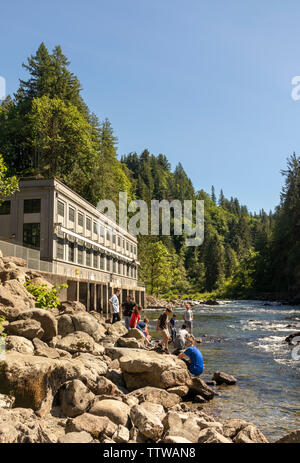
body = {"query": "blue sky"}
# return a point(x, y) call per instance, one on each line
point(206, 82)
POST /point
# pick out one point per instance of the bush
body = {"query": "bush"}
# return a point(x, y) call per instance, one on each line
point(45, 298)
point(2, 320)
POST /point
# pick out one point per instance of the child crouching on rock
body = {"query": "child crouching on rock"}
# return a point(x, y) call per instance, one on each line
point(192, 357)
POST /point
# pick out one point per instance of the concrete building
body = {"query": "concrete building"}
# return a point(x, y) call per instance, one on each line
point(81, 246)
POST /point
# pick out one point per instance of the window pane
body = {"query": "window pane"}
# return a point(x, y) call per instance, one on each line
point(31, 235)
point(96, 228)
point(80, 219)
point(119, 241)
point(32, 206)
point(95, 260)
point(60, 248)
point(108, 235)
point(5, 208)
point(102, 262)
point(60, 208)
point(88, 224)
point(71, 214)
point(88, 257)
point(71, 252)
point(80, 254)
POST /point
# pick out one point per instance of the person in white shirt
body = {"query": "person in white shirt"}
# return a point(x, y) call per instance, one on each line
point(115, 305)
point(179, 343)
point(188, 318)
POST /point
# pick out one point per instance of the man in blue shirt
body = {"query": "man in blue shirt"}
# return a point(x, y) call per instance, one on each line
point(194, 357)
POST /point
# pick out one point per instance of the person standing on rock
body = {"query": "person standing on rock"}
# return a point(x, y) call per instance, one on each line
point(115, 305)
point(128, 307)
point(173, 328)
point(192, 357)
point(188, 318)
point(162, 326)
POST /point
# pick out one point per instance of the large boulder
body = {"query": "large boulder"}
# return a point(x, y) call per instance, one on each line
point(19, 344)
point(94, 425)
point(16, 275)
point(21, 426)
point(135, 333)
point(146, 422)
point(121, 435)
point(11, 305)
point(34, 381)
point(199, 387)
point(43, 350)
point(28, 329)
point(72, 306)
point(231, 427)
point(189, 425)
point(65, 325)
point(250, 435)
point(18, 261)
point(156, 396)
point(107, 387)
point(148, 368)
point(116, 329)
point(75, 398)
point(211, 436)
point(291, 438)
point(45, 318)
point(116, 411)
point(224, 378)
point(76, 342)
point(131, 343)
point(83, 321)
point(154, 409)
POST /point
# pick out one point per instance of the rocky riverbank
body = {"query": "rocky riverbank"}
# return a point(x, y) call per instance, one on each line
point(69, 376)
point(156, 302)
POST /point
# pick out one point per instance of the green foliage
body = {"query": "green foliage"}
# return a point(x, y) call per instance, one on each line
point(2, 320)
point(8, 185)
point(45, 298)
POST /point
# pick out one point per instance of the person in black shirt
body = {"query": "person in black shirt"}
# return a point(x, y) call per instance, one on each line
point(128, 307)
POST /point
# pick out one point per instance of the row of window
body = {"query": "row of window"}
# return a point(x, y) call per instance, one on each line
point(30, 206)
point(91, 258)
point(98, 228)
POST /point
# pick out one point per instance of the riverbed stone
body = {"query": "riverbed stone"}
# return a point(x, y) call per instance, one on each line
point(19, 344)
point(224, 378)
point(156, 396)
point(28, 329)
point(82, 437)
point(211, 436)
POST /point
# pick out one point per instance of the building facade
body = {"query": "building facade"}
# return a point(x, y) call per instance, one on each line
point(92, 253)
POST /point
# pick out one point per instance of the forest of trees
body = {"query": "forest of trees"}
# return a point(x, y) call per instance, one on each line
point(46, 129)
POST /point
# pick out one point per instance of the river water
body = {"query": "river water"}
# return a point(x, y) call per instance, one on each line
point(246, 339)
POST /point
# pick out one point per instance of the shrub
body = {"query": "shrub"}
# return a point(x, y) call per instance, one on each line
point(2, 320)
point(45, 298)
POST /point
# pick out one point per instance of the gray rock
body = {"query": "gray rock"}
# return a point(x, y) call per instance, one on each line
point(146, 422)
point(75, 398)
point(223, 378)
point(94, 425)
point(43, 350)
point(45, 318)
point(116, 411)
point(291, 438)
point(250, 435)
point(19, 344)
point(28, 329)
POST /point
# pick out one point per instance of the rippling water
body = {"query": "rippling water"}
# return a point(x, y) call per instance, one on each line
point(246, 339)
